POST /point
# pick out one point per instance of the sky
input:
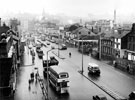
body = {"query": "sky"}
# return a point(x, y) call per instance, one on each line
point(80, 8)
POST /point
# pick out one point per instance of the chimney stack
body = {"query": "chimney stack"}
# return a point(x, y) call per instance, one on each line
point(133, 27)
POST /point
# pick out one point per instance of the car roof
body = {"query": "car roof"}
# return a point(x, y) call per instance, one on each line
point(93, 65)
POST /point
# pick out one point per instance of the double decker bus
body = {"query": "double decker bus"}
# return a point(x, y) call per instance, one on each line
point(59, 79)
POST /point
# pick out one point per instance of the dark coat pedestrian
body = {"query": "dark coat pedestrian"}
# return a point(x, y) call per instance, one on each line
point(69, 54)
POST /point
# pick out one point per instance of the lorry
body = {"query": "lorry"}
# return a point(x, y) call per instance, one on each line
point(51, 61)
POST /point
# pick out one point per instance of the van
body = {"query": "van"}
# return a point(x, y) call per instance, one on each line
point(93, 69)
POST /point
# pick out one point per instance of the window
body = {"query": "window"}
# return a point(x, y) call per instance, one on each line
point(117, 40)
point(129, 46)
point(117, 46)
point(132, 38)
point(58, 84)
point(63, 75)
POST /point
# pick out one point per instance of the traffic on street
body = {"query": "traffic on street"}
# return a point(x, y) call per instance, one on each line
point(82, 86)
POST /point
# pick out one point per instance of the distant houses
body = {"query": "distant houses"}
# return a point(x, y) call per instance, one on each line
point(113, 43)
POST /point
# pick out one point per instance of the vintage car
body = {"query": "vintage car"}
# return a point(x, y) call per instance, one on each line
point(93, 69)
point(63, 47)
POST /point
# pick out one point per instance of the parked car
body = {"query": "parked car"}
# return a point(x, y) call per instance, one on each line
point(93, 69)
point(99, 97)
point(63, 47)
point(132, 95)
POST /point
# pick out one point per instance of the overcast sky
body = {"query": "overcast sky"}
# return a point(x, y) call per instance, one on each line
point(80, 8)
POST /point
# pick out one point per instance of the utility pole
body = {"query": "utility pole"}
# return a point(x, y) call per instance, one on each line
point(82, 56)
point(99, 47)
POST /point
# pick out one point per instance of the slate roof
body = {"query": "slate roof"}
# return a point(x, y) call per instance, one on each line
point(117, 34)
point(124, 33)
point(82, 29)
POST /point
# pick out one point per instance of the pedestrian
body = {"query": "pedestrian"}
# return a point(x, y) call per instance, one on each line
point(29, 87)
point(36, 76)
point(32, 76)
point(29, 81)
point(69, 54)
point(33, 59)
point(33, 56)
point(128, 67)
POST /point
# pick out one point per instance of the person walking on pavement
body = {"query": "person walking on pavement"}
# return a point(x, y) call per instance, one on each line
point(69, 54)
point(32, 76)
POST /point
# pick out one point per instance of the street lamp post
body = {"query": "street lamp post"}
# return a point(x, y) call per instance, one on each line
point(58, 50)
point(82, 56)
point(58, 44)
point(99, 47)
point(47, 77)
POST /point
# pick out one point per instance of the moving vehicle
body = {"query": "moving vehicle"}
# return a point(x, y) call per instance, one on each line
point(99, 97)
point(63, 47)
point(132, 95)
point(59, 79)
point(51, 61)
point(40, 54)
point(93, 69)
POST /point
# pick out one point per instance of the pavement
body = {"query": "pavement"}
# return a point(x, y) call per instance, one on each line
point(26, 91)
point(110, 92)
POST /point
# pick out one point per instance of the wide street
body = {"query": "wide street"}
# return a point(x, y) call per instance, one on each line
point(110, 77)
point(80, 87)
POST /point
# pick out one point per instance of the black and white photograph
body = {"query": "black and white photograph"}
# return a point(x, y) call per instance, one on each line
point(67, 49)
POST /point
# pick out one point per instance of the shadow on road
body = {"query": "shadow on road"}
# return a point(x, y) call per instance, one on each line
point(93, 77)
